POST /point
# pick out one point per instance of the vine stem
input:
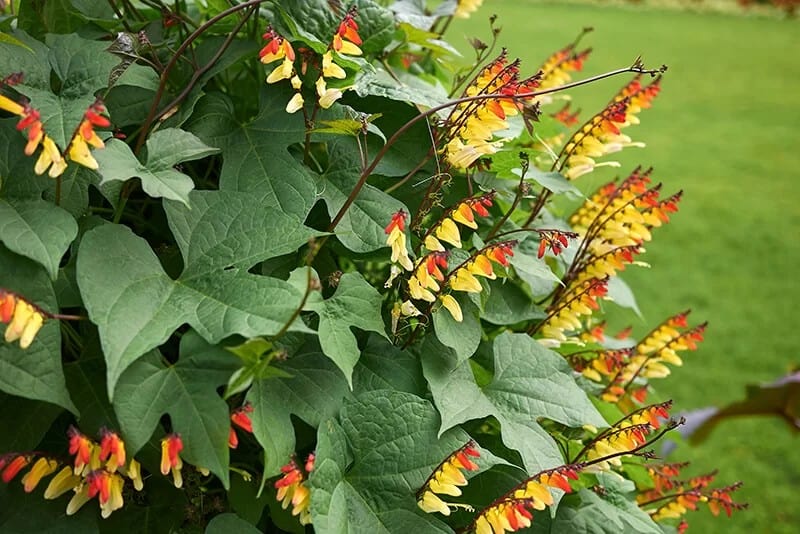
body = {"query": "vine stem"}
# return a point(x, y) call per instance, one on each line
point(520, 96)
point(152, 114)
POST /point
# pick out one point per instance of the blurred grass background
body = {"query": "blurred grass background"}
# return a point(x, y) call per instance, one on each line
point(725, 129)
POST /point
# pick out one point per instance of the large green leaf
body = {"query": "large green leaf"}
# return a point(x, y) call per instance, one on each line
point(29, 429)
point(19, 52)
point(165, 149)
point(529, 382)
point(508, 304)
point(370, 463)
point(313, 392)
point(384, 366)
point(362, 227)
point(136, 306)
point(228, 524)
point(614, 510)
point(23, 513)
point(33, 373)
point(187, 392)
point(464, 336)
point(37, 230)
point(354, 304)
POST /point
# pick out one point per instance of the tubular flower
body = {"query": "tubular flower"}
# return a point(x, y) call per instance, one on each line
point(83, 448)
point(513, 511)
point(108, 487)
point(427, 276)
point(396, 232)
point(465, 8)
point(651, 355)
point(31, 121)
point(602, 363)
point(112, 449)
point(134, 473)
point(608, 447)
point(292, 489)
point(601, 135)
point(346, 38)
point(63, 482)
point(13, 463)
point(558, 68)
point(24, 319)
point(670, 498)
point(277, 47)
point(240, 417)
point(566, 116)
point(473, 124)
point(446, 479)
point(171, 447)
point(78, 150)
point(565, 312)
point(555, 240)
point(452, 305)
point(464, 214)
point(42, 468)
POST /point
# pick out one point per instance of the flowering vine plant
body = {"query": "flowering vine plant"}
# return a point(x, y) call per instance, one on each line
point(300, 265)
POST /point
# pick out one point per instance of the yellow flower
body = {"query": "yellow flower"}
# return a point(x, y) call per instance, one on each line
point(25, 323)
point(64, 481)
point(284, 71)
point(42, 468)
point(463, 280)
point(295, 104)
point(452, 306)
point(466, 7)
point(448, 232)
point(79, 152)
point(331, 69)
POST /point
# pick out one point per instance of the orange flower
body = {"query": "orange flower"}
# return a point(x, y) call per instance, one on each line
point(512, 511)
point(346, 38)
point(240, 418)
point(11, 464)
point(171, 447)
point(112, 448)
point(82, 447)
point(395, 231)
point(292, 489)
point(25, 319)
point(277, 47)
point(42, 468)
point(565, 312)
point(109, 488)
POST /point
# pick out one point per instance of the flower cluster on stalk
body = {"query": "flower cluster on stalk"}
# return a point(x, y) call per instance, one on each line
point(51, 158)
point(471, 126)
point(668, 497)
point(514, 510)
point(345, 42)
point(24, 319)
point(601, 135)
point(98, 469)
point(626, 436)
point(447, 479)
point(292, 488)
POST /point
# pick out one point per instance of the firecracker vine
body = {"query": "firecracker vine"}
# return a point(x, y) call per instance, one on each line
point(285, 230)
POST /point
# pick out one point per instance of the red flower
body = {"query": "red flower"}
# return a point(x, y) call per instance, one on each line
point(81, 447)
point(14, 466)
point(171, 447)
point(240, 417)
point(112, 448)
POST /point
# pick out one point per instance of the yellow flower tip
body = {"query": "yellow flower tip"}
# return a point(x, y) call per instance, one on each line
point(433, 244)
point(451, 304)
point(79, 153)
point(63, 482)
point(331, 69)
point(465, 281)
point(284, 71)
point(448, 232)
point(330, 96)
point(134, 473)
point(430, 503)
point(463, 214)
point(465, 8)
point(80, 498)
point(11, 106)
point(295, 104)
point(481, 266)
point(42, 468)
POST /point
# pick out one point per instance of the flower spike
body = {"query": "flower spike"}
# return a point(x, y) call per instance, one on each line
point(446, 479)
point(293, 490)
point(24, 318)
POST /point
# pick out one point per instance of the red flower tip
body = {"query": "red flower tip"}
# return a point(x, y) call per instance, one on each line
point(14, 466)
point(398, 221)
point(240, 417)
point(310, 462)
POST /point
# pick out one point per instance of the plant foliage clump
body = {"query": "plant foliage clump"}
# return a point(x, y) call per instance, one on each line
point(266, 265)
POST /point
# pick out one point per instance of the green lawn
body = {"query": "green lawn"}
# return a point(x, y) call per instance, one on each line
point(724, 129)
